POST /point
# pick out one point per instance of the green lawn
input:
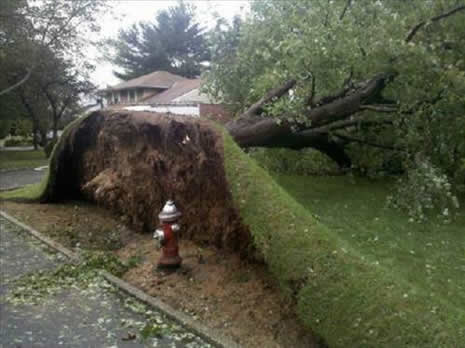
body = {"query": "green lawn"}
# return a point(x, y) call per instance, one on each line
point(360, 275)
point(22, 159)
point(431, 255)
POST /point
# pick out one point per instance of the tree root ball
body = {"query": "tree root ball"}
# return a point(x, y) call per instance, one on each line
point(133, 162)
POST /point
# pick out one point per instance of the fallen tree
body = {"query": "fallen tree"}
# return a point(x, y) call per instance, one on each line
point(132, 162)
point(326, 115)
point(347, 78)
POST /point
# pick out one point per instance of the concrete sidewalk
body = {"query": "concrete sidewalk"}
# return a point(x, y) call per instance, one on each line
point(95, 316)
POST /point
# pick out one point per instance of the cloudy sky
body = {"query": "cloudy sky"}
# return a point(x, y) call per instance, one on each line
point(127, 12)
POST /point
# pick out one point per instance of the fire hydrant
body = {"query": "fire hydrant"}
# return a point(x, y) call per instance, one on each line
point(167, 237)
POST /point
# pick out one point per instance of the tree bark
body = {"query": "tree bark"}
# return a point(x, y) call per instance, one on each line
point(253, 129)
point(33, 116)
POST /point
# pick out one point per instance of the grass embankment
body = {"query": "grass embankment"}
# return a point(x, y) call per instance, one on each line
point(349, 296)
point(22, 159)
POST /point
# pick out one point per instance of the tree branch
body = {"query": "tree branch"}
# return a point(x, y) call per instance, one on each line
point(369, 143)
point(17, 84)
point(420, 25)
point(343, 124)
point(346, 7)
point(311, 99)
point(270, 96)
point(380, 108)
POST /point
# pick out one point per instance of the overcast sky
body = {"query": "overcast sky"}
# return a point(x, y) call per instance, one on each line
point(127, 12)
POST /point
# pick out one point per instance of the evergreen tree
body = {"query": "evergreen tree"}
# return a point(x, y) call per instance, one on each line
point(174, 43)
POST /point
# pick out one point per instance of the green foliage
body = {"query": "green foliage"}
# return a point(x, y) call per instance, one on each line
point(43, 67)
point(330, 44)
point(22, 127)
point(174, 42)
point(32, 288)
point(152, 330)
point(5, 128)
point(374, 162)
point(46, 187)
point(18, 141)
point(303, 162)
point(341, 291)
point(425, 189)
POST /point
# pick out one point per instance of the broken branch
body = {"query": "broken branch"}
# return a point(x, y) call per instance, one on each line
point(420, 25)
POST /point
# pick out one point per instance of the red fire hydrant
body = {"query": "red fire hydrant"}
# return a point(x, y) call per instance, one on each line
point(167, 237)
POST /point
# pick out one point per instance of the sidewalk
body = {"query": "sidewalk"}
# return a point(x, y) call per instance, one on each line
point(96, 316)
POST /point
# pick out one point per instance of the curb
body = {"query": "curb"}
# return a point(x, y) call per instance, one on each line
point(208, 335)
point(50, 242)
point(205, 333)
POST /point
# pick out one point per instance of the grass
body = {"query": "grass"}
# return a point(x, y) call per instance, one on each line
point(430, 255)
point(25, 193)
point(46, 189)
point(360, 275)
point(346, 290)
point(22, 159)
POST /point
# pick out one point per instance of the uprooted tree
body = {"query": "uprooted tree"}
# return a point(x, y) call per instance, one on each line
point(388, 75)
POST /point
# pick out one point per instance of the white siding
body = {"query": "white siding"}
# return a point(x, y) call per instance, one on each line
point(191, 110)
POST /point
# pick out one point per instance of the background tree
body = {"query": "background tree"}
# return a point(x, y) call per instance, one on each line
point(26, 28)
point(337, 75)
point(43, 70)
point(62, 86)
point(174, 43)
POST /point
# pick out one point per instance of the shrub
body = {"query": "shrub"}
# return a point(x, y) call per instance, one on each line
point(5, 128)
point(374, 162)
point(303, 162)
point(18, 141)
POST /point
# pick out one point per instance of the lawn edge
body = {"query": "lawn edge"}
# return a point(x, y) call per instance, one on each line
point(205, 333)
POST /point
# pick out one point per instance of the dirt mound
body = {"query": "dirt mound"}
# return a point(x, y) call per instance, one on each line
point(132, 162)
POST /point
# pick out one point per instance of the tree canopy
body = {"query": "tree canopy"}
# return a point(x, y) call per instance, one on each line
point(174, 42)
point(43, 69)
point(388, 75)
point(27, 28)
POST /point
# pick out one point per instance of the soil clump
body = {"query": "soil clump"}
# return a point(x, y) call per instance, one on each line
point(133, 162)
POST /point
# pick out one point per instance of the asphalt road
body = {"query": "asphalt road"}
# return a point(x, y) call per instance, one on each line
point(71, 316)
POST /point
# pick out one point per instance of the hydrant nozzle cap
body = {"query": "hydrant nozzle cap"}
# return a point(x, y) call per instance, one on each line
point(169, 212)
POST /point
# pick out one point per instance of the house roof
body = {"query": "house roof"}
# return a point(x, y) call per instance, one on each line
point(157, 79)
point(178, 89)
point(194, 96)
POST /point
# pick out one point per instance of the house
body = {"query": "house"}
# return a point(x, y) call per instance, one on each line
point(161, 91)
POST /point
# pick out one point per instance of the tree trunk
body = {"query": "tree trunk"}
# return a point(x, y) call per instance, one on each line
point(253, 129)
point(55, 128)
point(33, 116)
point(35, 140)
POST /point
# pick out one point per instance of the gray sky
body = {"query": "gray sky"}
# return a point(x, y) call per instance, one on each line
point(127, 12)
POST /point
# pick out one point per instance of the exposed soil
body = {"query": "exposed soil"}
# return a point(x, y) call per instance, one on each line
point(132, 162)
point(217, 287)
